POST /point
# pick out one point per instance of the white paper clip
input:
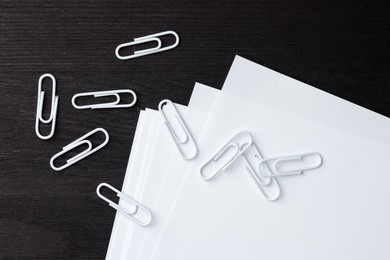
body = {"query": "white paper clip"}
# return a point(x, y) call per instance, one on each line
point(226, 156)
point(134, 211)
point(84, 153)
point(54, 105)
point(114, 104)
point(268, 186)
point(291, 165)
point(241, 145)
point(177, 128)
point(144, 39)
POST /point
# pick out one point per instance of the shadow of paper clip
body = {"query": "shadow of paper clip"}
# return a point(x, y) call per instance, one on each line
point(178, 130)
point(133, 210)
point(83, 154)
point(238, 146)
point(54, 106)
point(291, 165)
point(145, 39)
point(114, 104)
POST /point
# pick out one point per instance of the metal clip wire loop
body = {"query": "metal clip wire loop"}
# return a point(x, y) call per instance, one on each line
point(144, 39)
point(114, 104)
point(180, 142)
point(269, 187)
point(262, 188)
point(54, 106)
point(129, 213)
point(275, 163)
point(239, 143)
point(242, 145)
point(81, 155)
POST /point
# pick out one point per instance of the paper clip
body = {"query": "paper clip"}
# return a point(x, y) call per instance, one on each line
point(269, 186)
point(144, 39)
point(81, 155)
point(277, 169)
point(54, 106)
point(226, 156)
point(181, 136)
point(241, 145)
point(114, 104)
point(137, 209)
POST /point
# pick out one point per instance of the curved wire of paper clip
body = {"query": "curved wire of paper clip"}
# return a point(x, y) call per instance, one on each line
point(264, 187)
point(277, 172)
point(242, 143)
point(54, 106)
point(131, 214)
point(234, 143)
point(114, 104)
point(148, 38)
point(253, 157)
point(81, 155)
point(187, 139)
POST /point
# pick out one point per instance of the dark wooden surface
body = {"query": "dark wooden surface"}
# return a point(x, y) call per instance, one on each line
point(341, 48)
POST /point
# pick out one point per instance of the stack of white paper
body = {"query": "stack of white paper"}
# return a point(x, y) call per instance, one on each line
point(338, 211)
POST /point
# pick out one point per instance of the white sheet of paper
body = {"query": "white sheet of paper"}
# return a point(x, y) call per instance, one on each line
point(163, 184)
point(252, 81)
point(147, 139)
point(143, 133)
point(157, 160)
point(339, 211)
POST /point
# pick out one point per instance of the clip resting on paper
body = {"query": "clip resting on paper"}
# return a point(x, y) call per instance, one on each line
point(114, 104)
point(241, 145)
point(144, 39)
point(276, 164)
point(54, 106)
point(137, 210)
point(269, 187)
point(180, 134)
point(226, 156)
point(82, 140)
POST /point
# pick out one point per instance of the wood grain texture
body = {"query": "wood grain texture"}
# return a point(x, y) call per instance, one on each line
point(341, 48)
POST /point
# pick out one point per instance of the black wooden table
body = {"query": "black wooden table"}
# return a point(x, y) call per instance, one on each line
point(341, 48)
